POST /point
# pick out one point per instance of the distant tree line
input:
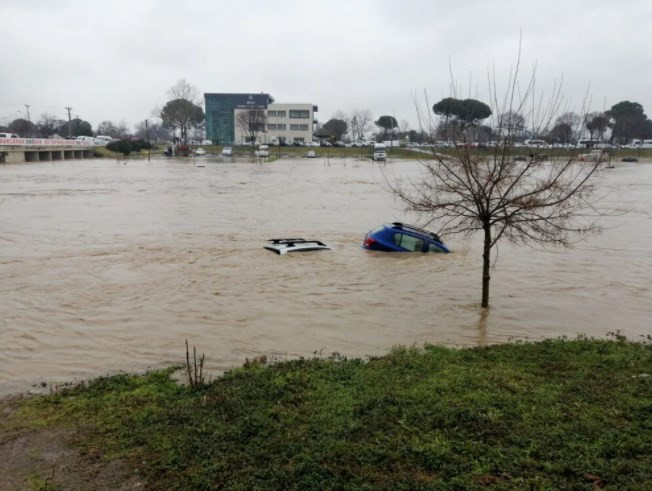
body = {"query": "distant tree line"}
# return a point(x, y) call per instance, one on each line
point(49, 125)
point(463, 119)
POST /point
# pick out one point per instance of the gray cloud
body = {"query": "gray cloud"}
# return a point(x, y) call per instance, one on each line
point(115, 60)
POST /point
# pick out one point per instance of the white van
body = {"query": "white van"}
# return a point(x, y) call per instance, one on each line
point(380, 152)
point(9, 135)
point(103, 140)
point(87, 139)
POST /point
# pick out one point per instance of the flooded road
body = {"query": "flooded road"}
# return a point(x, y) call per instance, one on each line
point(107, 266)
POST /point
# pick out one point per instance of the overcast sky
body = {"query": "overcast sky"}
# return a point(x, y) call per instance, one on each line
point(114, 60)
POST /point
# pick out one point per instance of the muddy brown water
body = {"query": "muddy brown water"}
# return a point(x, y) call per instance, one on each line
point(109, 266)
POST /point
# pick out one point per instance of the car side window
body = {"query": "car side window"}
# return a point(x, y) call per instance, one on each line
point(434, 248)
point(408, 242)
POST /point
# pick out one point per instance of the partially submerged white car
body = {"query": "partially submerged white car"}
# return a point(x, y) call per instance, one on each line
point(283, 246)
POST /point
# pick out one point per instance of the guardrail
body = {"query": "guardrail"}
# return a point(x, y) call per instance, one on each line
point(26, 142)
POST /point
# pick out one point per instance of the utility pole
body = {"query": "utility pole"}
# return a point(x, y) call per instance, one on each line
point(149, 147)
point(28, 121)
point(68, 108)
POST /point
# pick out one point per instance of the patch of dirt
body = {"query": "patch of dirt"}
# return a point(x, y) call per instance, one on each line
point(44, 459)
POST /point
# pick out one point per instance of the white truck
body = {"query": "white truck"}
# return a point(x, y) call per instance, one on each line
point(380, 152)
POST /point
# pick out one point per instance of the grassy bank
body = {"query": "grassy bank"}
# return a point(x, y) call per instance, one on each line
point(554, 414)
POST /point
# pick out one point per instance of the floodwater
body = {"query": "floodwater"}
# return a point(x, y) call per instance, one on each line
point(109, 266)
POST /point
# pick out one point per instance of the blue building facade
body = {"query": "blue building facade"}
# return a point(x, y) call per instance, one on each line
point(220, 110)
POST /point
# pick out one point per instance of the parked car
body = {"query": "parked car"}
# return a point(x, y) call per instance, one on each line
point(399, 237)
point(312, 144)
point(206, 142)
point(298, 143)
point(103, 140)
point(9, 135)
point(227, 152)
point(339, 144)
point(325, 143)
point(200, 151)
point(283, 246)
point(311, 154)
point(263, 151)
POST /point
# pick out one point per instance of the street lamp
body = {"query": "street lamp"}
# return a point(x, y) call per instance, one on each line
point(26, 125)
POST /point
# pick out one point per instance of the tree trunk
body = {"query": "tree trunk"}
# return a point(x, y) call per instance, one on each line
point(486, 263)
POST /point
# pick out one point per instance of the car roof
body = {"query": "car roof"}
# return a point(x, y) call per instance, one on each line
point(414, 230)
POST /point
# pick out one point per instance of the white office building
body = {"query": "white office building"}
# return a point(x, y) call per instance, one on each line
point(283, 122)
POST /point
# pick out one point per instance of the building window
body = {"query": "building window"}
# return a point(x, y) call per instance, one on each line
point(298, 127)
point(276, 114)
point(299, 114)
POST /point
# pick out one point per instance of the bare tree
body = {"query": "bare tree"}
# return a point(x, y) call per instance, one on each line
point(252, 122)
point(596, 123)
point(48, 125)
point(182, 89)
point(361, 123)
point(108, 128)
point(571, 119)
point(525, 201)
point(123, 129)
point(511, 123)
point(448, 131)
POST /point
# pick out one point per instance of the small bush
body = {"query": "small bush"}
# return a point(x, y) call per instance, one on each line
point(120, 146)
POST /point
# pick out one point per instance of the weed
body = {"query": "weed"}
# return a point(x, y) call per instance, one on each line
point(195, 370)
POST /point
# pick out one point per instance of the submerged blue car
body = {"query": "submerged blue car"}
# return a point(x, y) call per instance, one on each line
point(399, 237)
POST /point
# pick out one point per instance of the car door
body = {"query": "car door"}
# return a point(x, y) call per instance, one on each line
point(409, 242)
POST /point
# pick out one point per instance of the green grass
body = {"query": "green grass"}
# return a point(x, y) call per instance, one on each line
point(516, 416)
